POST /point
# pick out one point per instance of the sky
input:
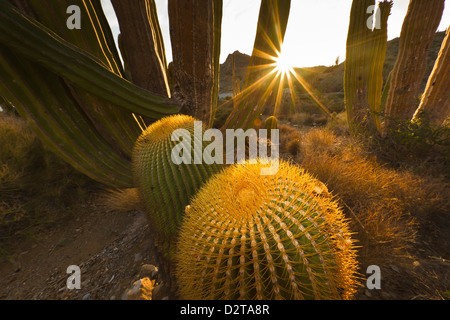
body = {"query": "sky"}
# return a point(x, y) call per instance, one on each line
point(316, 33)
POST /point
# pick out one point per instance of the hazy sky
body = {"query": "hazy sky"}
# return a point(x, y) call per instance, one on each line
point(316, 33)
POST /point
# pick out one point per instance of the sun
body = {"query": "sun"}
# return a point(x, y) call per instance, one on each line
point(283, 64)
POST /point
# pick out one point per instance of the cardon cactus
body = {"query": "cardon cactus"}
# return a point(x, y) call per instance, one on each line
point(271, 123)
point(165, 186)
point(253, 236)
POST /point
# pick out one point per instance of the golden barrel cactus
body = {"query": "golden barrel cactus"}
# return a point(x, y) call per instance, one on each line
point(166, 187)
point(252, 236)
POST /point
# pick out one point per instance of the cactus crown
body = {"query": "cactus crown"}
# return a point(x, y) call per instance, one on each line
point(249, 236)
point(163, 129)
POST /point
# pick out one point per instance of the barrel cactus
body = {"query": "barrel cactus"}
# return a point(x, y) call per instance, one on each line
point(252, 236)
point(165, 186)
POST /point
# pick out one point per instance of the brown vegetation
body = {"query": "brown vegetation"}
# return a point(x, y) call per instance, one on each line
point(392, 210)
point(36, 187)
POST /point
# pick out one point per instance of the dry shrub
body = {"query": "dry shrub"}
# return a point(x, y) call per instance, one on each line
point(318, 141)
point(20, 149)
point(124, 200)
point(289, 140)
point(36, 187)
point(293, 147)
point(301, 118)
point(383, 203)
point(339, 124)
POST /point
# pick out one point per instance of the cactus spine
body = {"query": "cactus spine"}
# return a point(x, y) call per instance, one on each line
point(165, 187)
point(250, 236)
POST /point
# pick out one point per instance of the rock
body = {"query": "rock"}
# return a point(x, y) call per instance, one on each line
point(86, 296)
point(367, 293)
point(385, 296)
point(137, 257)
point(157, 293)
point(395, 268)
point(148, 270)
point(141, 290)
point(160, 291)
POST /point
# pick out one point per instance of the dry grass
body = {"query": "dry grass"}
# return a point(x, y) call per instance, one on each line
point(384, 204)
point(289, 140)
point(18, 149)
point(308, 119)
point(123, 200)
point(36, 187)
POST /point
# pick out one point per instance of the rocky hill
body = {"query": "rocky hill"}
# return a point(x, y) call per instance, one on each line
point(242, 61)
point(324, 79)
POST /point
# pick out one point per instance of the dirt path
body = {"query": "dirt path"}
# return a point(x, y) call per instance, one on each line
point(110, 247)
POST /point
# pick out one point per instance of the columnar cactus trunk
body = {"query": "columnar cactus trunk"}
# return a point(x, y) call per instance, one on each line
point(366, 52)
point(260, 81)
point(418, 31)
point(217, 27)
point(195, 42)
point(73, 90)
point(115, 125)
point(42, 46)
point(378, 45)
point(142, 44)
point(435, 104)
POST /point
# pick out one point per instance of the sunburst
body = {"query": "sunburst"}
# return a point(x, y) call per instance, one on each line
point(273, 76)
